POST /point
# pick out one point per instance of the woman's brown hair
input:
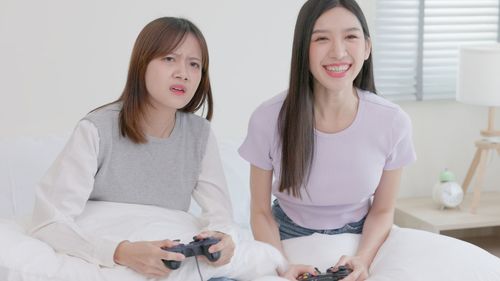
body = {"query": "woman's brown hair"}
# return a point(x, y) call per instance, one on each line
point(159, 38)
point(296, 118)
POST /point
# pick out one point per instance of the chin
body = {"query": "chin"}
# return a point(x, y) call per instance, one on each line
point(168, 106)
point(337, 87)
point(177, 102)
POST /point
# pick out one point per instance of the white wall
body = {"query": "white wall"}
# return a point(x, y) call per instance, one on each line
point(444, 135)
point(59, 59)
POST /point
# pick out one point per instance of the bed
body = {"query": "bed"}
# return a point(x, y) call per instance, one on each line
point(406, 255)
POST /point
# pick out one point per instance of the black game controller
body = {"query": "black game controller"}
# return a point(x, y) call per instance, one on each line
point(198, 247)
point(330, 275)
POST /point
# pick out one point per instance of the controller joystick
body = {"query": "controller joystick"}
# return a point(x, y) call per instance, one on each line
point(341, 273)
point(330, 275)
point(198, 247)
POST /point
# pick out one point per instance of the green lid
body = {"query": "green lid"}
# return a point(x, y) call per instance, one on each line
point(446, 175)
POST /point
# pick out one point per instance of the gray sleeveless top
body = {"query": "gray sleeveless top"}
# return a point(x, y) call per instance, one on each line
point(161, 172)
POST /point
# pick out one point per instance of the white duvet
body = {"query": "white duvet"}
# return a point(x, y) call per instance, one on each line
point(406, 255)
point(28, 259)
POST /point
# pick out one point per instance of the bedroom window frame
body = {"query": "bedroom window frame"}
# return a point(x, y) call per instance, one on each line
point(409, 62)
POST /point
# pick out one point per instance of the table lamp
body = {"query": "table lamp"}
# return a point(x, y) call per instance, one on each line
point(478, 83)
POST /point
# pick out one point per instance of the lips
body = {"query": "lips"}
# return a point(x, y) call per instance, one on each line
point(337, 70)
point(178, 90)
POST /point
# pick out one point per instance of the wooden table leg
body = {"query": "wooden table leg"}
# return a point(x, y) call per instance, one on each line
point(472, 170)
point(479, 180)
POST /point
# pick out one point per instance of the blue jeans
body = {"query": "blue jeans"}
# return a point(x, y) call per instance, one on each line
point(288, 229)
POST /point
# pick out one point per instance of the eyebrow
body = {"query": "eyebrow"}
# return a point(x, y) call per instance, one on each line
point(345, 30)
point(191, 58)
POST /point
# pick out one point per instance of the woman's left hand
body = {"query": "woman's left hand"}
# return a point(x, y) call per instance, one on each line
point(225, 246)
point(356, 264)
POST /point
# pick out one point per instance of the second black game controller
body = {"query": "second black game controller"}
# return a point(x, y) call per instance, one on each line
point(198, 247)
point(329, 275)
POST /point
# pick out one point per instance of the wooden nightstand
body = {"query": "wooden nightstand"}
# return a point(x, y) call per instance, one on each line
point(482, 228)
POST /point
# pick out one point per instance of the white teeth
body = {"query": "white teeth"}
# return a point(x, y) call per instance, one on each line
point(337, 68)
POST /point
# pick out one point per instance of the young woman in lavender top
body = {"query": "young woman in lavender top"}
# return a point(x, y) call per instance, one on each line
point(335, 148)
point(148, 147)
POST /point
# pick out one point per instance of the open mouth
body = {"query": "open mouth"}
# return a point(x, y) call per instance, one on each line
point(178, 90)
point(337, 70)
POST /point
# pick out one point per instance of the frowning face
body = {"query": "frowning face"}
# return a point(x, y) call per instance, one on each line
point(172, 80)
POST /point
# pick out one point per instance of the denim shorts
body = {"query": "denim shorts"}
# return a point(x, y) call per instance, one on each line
point(288, 229)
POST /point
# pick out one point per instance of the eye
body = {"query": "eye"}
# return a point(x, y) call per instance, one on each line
point(196, 65)
point(352, 36)
point(168, 58)
point(320, 38)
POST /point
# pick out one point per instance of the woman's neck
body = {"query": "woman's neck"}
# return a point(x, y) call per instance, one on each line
point(158, 123)
point(335, 111)
point(330, 103)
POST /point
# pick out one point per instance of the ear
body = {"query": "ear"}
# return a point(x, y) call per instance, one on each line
point(368, 48)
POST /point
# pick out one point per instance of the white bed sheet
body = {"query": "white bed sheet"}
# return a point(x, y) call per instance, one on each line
point(29, 259)
point(406, 255)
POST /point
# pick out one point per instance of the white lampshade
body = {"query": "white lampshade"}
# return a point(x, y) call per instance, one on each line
point(479, 75)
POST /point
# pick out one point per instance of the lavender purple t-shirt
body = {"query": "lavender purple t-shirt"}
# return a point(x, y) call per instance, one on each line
point(347, 166)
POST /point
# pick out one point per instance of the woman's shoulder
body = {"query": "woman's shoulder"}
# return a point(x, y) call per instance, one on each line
point(377, 100)
point(106, 114)
point(270, 109)
point(193, 124)
point(192, 119)
point(384, 111)
point(113, 108)
point(380, 105)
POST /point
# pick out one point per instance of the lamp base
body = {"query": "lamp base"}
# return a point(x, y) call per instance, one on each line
point(478, 164)
point(490, 133)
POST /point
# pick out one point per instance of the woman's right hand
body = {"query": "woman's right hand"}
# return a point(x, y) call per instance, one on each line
point(295, 270)
point(146, 257)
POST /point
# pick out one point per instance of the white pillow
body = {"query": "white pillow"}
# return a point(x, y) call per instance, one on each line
point(23, 162)
point(407, 254)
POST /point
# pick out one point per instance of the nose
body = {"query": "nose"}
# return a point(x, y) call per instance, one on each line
point(337, 49)
point(181, 72)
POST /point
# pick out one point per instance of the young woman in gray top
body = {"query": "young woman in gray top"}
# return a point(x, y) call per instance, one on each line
point(145, 148)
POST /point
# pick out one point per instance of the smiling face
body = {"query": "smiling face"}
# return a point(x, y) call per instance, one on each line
point(172, 80)
point(337, 51)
